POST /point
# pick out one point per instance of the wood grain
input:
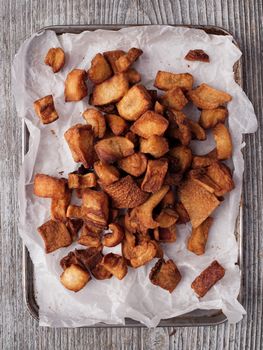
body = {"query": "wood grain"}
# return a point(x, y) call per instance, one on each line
point(19, 19)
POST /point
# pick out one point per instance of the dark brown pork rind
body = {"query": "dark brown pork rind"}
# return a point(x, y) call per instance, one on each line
point(165, 275)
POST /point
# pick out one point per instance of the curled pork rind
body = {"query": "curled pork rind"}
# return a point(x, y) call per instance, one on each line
point(183, 156)
point(155, 174)
point(115, 264)
point(197, 240)
point(156, 146)
point(134, 164)
point(149, 124)
point(117, 124)
point(174, 99)
point(206, 97)
point(142, 253)
point(209, 277)
point(223, 141)
point(59, 207)
point(100, 69)
point(75, 86)
point(97, 121)
point(124, 62)
point(197, 55)
point(81, 181)
point(107, 173)
point(165, 275)
point(55, 58)
point(114, 148)
point(45, 109)
point(75, 278)
point(168, 81)
point(115, 237)
point(211, 117)
point(50, 187)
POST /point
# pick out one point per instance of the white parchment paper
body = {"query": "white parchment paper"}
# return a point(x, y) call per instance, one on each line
point(112, 300)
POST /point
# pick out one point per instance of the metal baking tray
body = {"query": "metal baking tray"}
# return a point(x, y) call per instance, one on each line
point(194, 318)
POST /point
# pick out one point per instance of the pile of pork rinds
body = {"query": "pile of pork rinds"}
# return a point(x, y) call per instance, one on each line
point(138, 177)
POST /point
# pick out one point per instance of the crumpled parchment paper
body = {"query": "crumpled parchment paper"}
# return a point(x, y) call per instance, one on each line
point(112, 300)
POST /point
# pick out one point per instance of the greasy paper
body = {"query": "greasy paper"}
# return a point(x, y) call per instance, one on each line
point(112, 300)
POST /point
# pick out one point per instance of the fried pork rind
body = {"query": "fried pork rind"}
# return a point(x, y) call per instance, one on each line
point(197, 55)
point(73, 226)
point(223, 141)
point(200, 176)
point(168, 200)
point(112, 56)
point(115, 264)
point(165, 234)
point(115, 237)
point(75, 212)
point(100, 69)
point(183, 156)
point(55, 58)
point(174, 99)
point(133, 76)
point(165, 275)
point(81, 181)
point(100, 273)
point(198, 202)
point(134, 164)
point(45, 109)
point(125, 193)
point(95, 205)
point(132, 137)
point(149, 124)
point(159, 108)
point(50, 187)
point(167, 81)
point(155, 174)
point(127, 244)
point(142, 253)
point(116, 123)
point(197, 131)
point(209, 118)
point(135, 102)
point(124, 62)
point(106, 173)
point(75, 278)
point(156, 146)
point(96, 119)
point(89, 258)
point(173, 179)
point(221, 176)
point(55, 235)
point(75, 86)
point(167, 218)
point(179, 127)
point(89, 238)
point(68, 260)
point(204, 161)
point(181, 211)
point(209, 277)
point(206, 97)
point(80, 139)
point(197, 240)
point(59, 207)
point(114, 148)
point(111, 90)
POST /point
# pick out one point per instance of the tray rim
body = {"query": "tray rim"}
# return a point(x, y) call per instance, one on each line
point(178, 321)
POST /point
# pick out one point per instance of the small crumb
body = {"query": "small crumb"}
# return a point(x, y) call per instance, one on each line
point(61, 172)
point(52, 132)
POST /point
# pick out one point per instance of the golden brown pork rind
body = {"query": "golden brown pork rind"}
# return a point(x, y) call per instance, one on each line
point(204, 161)
point(167, 218)
point(197, 131)
point(96, 119)
point(55, 58)
point(50, 187)
point(197, 240)
point(59, 207)
point(209, 118)
point(124, 62)
point(134, 164)
point(159, 108)
point(127, 244)
point(45, 109)
point(179, 127)
point(114, 148)
point(55, 235)
point(174, 99)
point(100, 69)
point(197, 55)
point(142, 253)
point(168, 200)
point(106, 173)
point(201, 178)
point(88, 258)
point(209, 277)
point(115, 237)
point(112, 56)
point(80, 139)
point(75, 278)
point(116, 265)
point(95, 205)
point(165, 275)
point(156, 146)
point(183, 156)
point(75, 86)
point(135, 102)
point(221, 176)
point(165, 234)
point(155, 174)
point(116, 123)
point(223, 141)
point(111, 90)
point(89, 238)
point(125, 193)
point(75, 212)
point(100, 273)
point(133, 76)
point(81, 181)
point(206, 97)
point(181, 211)
point(198, 202)
point(167, 81)
point(149, 124)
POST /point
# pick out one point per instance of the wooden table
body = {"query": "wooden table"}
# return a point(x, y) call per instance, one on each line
point(19, 19)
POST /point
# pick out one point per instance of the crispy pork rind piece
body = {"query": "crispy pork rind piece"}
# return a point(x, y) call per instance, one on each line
point(116, 123)
point(115, 237)
point(75, 212)
point(112, 56)
point(55, 235)
point(181, 211)
point(209, 118)
point(159, 108)
point(206, 97)
point(89, 258)
point(45, 109)
point(114, 148)
point(197, 131)
point(165, 234)
point(208, 278)
point(179, 127)
point(73, 226)
point(183, 156)
point(80, 139)
point(55, 58)
point(201, 178)
point(156, 146)
point(134, 103)
point(198, 202)
point(167, 218)
point(197, 55)
point(204, 161)
point(75, 86)
point(133, 76)
point(143, 253)
point(89, 238)
point(165, 275)
point(155, 174)
point(96, 119)
point(141, 217)
point(68, 260)
point(197, 240)
point(100, 273)
point(125, 193)
point(168, 200)
point(134, 164)
point(167, 81)
point(174, 99)
point(221, 176)
point(106, 173)
point(100, 69)
point(95, 205)
point(149, 124)
point(50, 187)
point(59, 207)
point(115, 264)
point(111, 90)
point(223, 141)
point(75, 278)
point(81, 181)
point(124, 62)
point(127, 245)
